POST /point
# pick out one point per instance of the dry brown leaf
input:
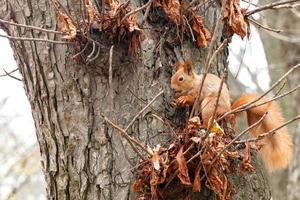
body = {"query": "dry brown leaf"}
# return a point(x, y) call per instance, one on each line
point(171, 8)
point(246, 165)
point(136, 38)
point(183, 172)
point(216, 128)
point(203, 36)
point(90, 9)
point(66, 25)
point(235, 17)
point(197, 180)
point(114, 6)
point(137, 185)
point(142, 197)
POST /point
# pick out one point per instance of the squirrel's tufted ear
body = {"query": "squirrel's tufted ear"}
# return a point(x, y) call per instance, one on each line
point(179, 65)
point(188, 67)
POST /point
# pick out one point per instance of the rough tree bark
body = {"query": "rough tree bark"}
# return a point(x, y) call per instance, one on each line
point(81, 155)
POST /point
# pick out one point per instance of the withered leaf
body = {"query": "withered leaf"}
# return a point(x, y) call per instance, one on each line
point(197, 180)
point(66, 25)
point(131, 21)
point(216, 128)
point(136, 38)
point(183, 172)
point(137, 185)
point(90, 9)
point(203, 36)
point(171, 8)
point(246, 163)
point(236, 19)
point(114, 7)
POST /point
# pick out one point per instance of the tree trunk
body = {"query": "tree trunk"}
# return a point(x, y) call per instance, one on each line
point(82, 156)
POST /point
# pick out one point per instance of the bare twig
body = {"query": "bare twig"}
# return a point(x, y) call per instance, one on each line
point(11, 76)
point(34, 39)
point(96, 56)
point(211, 121)
point(269, 6)
point(146, 14)
point(157, 114)
point(223, 44)
point(242, 60)
point(137, 10)
point(199, 5)
point(7, 73)
point(269, 133)
point(270, 100)
point(263, 95)
point(264, 27)
point(190, 28)
point(111, 95)
point(84, 48)
point(141, 111)
point(209, 54)
point(30, 27)
point(133, 143)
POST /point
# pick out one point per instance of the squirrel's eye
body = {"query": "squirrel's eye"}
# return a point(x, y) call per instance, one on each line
point(181, 78)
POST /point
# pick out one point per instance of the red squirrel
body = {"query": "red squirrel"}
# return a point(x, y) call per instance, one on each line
point(186, 84)
point(275, 151)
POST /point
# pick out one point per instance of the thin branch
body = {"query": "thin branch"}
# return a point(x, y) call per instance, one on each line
point(137, 10)
point(96, 56)
point(242, 60)
point(133, 143)
point(211, 121)
point(264, 27)
point(269, 133)
point(8, 73)
point(190, 28)
point(30, 27)
point(141, 111)
point(92, 52)
point(82, 51)
point(34, 39)
point(209, 54)
point(260, 97)
point(146, 15)
point(269, 6)
point(270, 100)
point(11, 76)
point(110, 76)
point(163, 119)
point(220, 48)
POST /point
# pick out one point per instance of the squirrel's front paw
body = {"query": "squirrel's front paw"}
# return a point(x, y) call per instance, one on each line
point(181, 101)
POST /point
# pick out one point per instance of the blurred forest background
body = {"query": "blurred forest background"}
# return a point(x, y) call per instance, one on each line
point(254, 64)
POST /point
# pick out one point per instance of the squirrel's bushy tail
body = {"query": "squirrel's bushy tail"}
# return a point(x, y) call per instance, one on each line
point(276, 150)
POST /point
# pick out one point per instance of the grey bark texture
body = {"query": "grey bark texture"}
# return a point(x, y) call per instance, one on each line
point(81, 155)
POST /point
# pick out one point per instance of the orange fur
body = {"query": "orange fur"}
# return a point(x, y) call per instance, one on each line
point(276, 150)
point(186, 84)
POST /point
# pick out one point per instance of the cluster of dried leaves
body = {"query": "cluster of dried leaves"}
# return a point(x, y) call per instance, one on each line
point(110, 23)
point(236, 19)
point(195, 158)
point(180, 14)
point(114, 23)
